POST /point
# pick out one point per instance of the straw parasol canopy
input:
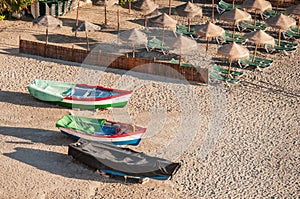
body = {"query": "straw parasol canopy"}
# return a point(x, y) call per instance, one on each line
point(182, 44)
point(189, 10)
point(259, 37)
point(47, 21)
point(234, 16)
point(209, 30)
point(133, 37)
point(233, 51)
point(294, 10)
point(146, 7)
point(258, 6)
point(281, 22)
point(163, 21)
point(88, 27)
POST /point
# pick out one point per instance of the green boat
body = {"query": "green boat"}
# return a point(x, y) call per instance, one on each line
point(74, 95)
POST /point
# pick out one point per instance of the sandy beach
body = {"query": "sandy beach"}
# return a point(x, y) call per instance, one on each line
point(238, 141)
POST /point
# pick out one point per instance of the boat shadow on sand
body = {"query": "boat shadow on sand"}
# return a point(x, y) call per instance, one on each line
point(24, 99)
point(56, 163)
point(32, 135)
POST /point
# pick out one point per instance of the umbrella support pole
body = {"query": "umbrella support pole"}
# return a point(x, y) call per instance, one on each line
point(189, 25)
point(170, 3)
point(105, 15)
point(46, 35)
point(206, 46)
point(213, 11)
point(255, 50)
point(279, 36)
point(87, 40)
point(228, 74)
point(76, 23)
point(255, 18)
point(118, 25)
point(233, 30)
point(129, 6)
point(298, 24)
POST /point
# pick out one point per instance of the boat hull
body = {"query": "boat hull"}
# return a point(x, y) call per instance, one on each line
point(131, 139)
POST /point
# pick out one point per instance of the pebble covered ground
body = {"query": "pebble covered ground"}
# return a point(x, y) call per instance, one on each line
point(232, 141)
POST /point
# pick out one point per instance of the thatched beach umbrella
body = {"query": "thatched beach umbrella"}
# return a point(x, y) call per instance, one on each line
point(189, 10)
point(48, 21)
point(281, 22)
point(146, 7)
point(133, 37)
point(259, 37)
point(294, 10)
point(209, 30)
point(233, 51)
point(234, 16)
point(88, 27)
point(163, 21)
point(259, 6)
point(181, 45)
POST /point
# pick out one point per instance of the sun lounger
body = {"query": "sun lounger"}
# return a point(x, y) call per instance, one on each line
point(270, 13)
point(228, 38)
point(223, 6)
point(259, 63)
point(225, 71)
point(182, 29)
point(223, 78)
point(284, 47)
point(174, 61)
point(250, 26)
point(156, 44)
point(288, 34)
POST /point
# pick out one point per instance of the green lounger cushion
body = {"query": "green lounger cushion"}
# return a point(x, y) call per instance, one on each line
point(255, 63)
point(261, 60)
point(223, 78)
point(292, 33)
point(224, 6)
point(184, 30)
point(225, 71)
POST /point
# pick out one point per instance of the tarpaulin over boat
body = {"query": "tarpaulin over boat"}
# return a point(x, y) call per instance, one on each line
point(121, 161)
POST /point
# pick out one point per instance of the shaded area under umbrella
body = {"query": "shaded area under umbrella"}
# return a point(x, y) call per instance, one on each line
point(133, 37)
point(47, 21)
point(281, 22)
point(209, 30)
point(189, 10)
point(294, 10)
point(259, 6)
point(234, 16)
point(146, 7)
point(233, 51)
point(259, 37)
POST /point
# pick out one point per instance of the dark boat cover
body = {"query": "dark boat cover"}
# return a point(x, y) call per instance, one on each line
point(121, 161)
